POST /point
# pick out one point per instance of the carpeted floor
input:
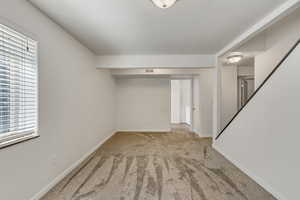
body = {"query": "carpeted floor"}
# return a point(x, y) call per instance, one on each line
point(157, 166)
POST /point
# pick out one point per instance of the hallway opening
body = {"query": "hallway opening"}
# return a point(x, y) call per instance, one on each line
point(181, 104)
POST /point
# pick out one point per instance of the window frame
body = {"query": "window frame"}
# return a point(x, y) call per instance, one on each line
point(16, 137)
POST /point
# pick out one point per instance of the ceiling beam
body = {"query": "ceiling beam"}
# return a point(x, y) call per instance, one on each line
point(155, 61)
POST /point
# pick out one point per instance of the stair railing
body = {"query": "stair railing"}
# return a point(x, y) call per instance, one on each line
point(258, 89)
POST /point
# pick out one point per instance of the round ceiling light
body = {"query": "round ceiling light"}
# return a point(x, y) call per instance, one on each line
point(164, 4)
point(234, 57)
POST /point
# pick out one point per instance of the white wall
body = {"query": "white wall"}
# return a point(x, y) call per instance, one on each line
point(279, 40)
point(229, 99)
point(245, 70)
point(143, 104)
point(203, 100)
point(155, 61)
point(229, 94)
point(263, 140)
point(203, 103)
point(76, 106)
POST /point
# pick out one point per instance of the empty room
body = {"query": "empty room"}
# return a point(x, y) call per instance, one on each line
point(149, 99)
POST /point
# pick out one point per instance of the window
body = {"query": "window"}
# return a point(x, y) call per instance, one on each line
point(18, 87)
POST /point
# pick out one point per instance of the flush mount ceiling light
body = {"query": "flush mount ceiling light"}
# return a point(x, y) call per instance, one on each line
point(164, 4)
point(234, 57)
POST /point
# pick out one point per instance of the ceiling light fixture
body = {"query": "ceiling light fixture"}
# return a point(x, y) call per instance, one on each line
point(235, 57)
point(164, 4)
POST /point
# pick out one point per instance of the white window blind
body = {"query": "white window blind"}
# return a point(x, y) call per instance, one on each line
point(18, 86)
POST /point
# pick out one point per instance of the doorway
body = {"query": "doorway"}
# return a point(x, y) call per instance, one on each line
point(181, 104)
point(245, 89)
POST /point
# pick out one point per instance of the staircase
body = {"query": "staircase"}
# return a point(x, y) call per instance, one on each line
point(263, 138)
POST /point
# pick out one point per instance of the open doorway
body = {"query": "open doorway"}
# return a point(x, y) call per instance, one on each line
point(181, 105)
point(245, 89)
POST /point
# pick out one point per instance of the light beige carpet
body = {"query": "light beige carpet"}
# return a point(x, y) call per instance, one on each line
point(157, 166)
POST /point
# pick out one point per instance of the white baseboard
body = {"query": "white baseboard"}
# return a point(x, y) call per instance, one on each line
point(257, 179)
point(60, 177)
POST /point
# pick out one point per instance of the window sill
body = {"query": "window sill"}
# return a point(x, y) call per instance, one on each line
point(27, 137)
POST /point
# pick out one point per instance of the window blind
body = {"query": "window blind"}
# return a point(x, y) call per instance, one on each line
point(18, 83)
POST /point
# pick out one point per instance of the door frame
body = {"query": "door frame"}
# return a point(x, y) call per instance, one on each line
point(239, 79)
point(191, 99)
